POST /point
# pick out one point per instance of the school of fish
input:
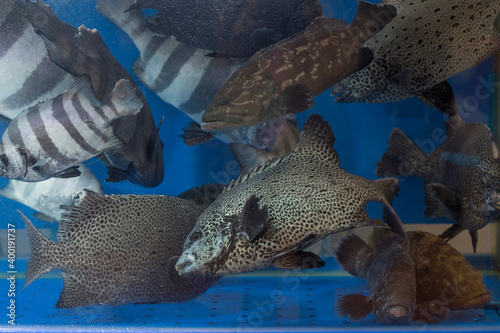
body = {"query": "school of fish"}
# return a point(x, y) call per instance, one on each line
point(241, 71)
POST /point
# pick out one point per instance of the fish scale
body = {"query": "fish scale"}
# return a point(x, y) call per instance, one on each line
point(306, 197)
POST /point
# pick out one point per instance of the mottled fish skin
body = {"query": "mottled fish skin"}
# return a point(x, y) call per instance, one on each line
point(83, 52)
point(231, 28)
point(428, 42)
point(462, 174)
point(118, 249)
point(187, 78)
point(47, 196)
point(27, 77)
point(52, 137)
point(297, 199)
point(390, 274)
point(444, 274)
point(284, 77)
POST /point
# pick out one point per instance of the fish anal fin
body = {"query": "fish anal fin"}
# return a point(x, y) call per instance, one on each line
point(441, 98)
point(68, 173)
point(74, 294)
point(252, 220)
point(451, 232)
point(299, 260)
point(194, 135)
point(352, 254)
point(249, 157)
point(296, 98)
point(441, 201)
point(473, 237)
point(355, 306)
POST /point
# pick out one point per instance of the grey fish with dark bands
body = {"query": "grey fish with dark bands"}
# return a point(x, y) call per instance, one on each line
point(462, 175)
point(284, 77)
point(83, 52)
point(118, 249)
point(270, 215)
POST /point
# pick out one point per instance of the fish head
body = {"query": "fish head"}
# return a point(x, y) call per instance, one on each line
point(467, 290)
point(206, 247)
point(485, 194)
point(235, 107)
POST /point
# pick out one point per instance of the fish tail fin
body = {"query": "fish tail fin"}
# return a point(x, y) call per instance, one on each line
point(389, 188)
point(317, 137)
point(354, 305)
point(352, 253)
point(125, 98)
point(371, 18)
point(39, 263)
point(403, 158)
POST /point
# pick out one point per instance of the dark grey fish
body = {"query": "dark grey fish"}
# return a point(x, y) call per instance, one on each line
point(52, 137)
point(271, 214)
point(428, 42)
point(82, 52)
point(118, 249)
point(231, 28)
point(27, 77)
point(462, 175)
point(390, 273)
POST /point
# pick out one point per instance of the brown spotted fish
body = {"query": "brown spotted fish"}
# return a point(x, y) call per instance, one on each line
point(428, 42)
point(284, 77)
point(271, 214)
point(443, 274)
point(118, 249)
point(462, 174)
point(390, 273)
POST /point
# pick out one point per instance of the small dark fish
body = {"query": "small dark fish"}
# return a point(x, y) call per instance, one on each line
point(230, 28)
point(428, 42)
point(83, 52)
point(284, 77)
point(390, 273)
point(47, 196)
point(270, 215)
point(118, 249)
point(462, 174)
point(27, 77)
point(51, 138)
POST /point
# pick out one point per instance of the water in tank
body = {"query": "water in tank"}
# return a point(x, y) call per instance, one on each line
point(249, 165)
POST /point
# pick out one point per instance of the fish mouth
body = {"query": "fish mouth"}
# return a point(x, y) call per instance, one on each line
point(185, 265)
point(473, 302)
point(228, 121)
point(396, 314)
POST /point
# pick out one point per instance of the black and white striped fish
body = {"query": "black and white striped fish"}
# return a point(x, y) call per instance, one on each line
point(83, 52)
point(187, 78)
point(27, 77)
point(47, 196)
point(50, 138)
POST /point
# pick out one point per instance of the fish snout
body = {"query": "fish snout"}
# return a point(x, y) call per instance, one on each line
point(221, 121)
point(185, 264)
point(396, 315)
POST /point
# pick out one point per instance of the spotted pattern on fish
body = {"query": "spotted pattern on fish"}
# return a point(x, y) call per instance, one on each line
point(307, 196)
point(428, 42)
point(118, 249)
point(27, 77)
point(50, 137)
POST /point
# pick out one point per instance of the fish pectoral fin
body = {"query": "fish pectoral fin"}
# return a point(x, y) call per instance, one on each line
point(74, 293)
point(299, 260)
point(355, 306)
point(117, 175)
point(296, 98)
point(44, 217)
point(441, 201)
point(441, 98)
point(352, 253)
point(403, 77)
point(252, 220)
point(194, 135)
point(428, 311)
point(451, 232)
point(68, 173)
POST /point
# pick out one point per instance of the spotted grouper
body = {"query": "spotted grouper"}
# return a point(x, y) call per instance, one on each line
point(428, 42)
point(118, 249)
point(462, 175)
point(269, 215)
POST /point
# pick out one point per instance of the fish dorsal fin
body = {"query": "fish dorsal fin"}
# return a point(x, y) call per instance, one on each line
point(71, 218)
point(317, 139)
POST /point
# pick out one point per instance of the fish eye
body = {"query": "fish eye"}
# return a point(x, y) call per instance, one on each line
point(196, 236)
point(223, 101)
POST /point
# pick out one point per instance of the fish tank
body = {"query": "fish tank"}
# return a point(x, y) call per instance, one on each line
point(168, 66)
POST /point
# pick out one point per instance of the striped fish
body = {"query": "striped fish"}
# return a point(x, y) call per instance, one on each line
point(50, 138)
point(47, 196)
point(185, 77)
point(27, 77)
point(83, 52)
